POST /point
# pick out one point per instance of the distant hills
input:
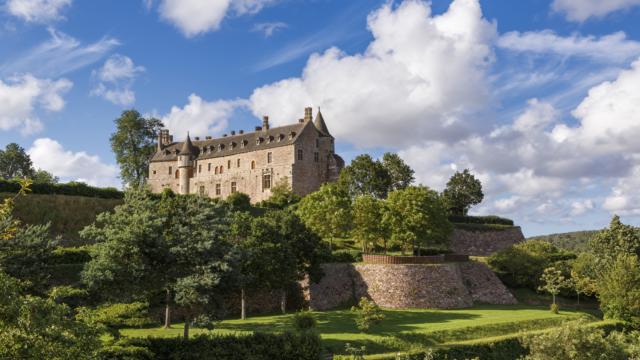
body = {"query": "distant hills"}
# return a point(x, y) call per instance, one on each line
point(573, 241)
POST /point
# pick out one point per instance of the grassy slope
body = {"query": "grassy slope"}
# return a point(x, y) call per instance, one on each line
point(401, 330)
point(574, 241)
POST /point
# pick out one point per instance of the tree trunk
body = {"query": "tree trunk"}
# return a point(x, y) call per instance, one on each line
point(243, 305)
point(384, 243)
point(283, 301)
point(167, 310)
point(187, 320)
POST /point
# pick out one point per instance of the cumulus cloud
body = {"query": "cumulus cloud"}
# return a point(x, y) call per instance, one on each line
point(50, 155)
point(23, 97)
point(608, 48)
point(195, 17)
point(116, 77)
point(39, 11)
point(428, 71)
point(200, 117)
point(581, 10)
point(268, 29)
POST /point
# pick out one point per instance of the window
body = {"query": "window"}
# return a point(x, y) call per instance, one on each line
point(228, 164)
point(221, 169)
point(317, 143)
point(154, 172)
point(201, 190)
point(266, 182)
point(233, 187)
point(170, 170)
point(300, 157)
point(253, 164)
point(238, 163)
point(218, 189)
point(209, 167)
point(177, 173)
point(316, 157)
point(216, 170)
point(199, 168)
point(269, 158)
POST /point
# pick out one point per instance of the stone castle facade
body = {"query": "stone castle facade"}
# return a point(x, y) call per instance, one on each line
point(302, 155)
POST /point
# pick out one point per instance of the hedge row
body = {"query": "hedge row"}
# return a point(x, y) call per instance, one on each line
point(257, 346)
point(485, 220)
point(71, 188)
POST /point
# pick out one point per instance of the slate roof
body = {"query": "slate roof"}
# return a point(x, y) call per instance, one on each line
point(233, 144)
point(320, 124)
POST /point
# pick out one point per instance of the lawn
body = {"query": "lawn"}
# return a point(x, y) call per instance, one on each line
point(402, 330)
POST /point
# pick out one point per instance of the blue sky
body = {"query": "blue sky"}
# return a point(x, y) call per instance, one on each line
point(541, 99)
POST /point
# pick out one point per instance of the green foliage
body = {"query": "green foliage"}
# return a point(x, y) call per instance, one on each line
point(355, 353)
point(483, 220)
point(555, 308)
point(281, 197)
point(15, 162)
point(574, 341)
point(70, 255)
point(68, 295)
point(522, 264)
point(257, 346)
point(401, 174)
point(70, 188)
point(36, 328)
point(365, 176)
point(368, 226)
point(367, 314)
point(112, 317)
point(133, 145)
point(463, 190)
point(417, 217)
point(576, 241)
point(617, 239)
point(303, 321)
point(44, 177)
point(619, 289)
point(327, 212)
point(345, 256)
point(239, 202)
point(552, 281)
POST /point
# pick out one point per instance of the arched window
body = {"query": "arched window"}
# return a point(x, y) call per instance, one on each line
point(177, 174)
point(221, 169)
point(253, 164)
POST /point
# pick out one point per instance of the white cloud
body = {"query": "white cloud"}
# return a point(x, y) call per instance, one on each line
point(608, 48)
point(39, 11)
point(50, 155)
point(580, 207)
point(59, 55)
point(581, 10)
point(200, 117)
point(195, 17)
point(428, 71)
point(22, 97)
point(117, 76)
point(268, 29)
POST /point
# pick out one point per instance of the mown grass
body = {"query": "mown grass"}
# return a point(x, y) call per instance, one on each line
point(402, 330)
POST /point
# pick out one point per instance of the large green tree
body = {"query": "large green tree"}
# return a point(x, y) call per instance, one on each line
point(401, 174)
point(619, 289)
point(463, 190)
point(133, 143)
point(15, 162)
point(327, 211)
point(417, 217)
point(617, 239)
point(366, 176)
point(369, 227)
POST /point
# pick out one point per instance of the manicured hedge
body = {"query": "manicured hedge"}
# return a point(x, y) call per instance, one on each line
point(485, 220)
point(72, 188)
point(258, 346)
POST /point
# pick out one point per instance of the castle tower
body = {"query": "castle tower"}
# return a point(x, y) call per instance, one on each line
point(320, 124)
point(185, 164)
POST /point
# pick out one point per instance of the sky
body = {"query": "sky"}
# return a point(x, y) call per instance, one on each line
point(540, 99)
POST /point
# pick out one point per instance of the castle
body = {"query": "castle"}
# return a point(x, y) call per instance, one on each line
point(301, 155)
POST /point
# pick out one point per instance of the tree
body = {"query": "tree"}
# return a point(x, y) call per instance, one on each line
point(245, 256)
point(133, 145)
point(367, 314)
point(281, 197)
point(111, 318)
point(619, 289)
point(368, 225)
point(552, 282)
point(463, 190)
point(44, 177)
point(327, 211)
point(583, 275)
point(365, 176)
point(239, 201)
point(401, 174)
point(15, 162)
point(417, 217)
point(617, 239)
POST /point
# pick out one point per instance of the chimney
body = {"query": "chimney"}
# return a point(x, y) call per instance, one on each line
point(207, 137)
point(308, 114)
point(224, 135)
point(265, 123)
point(258, 128)
point(170, 138)
point(241, 132)
point(301, 120)
point(196, 138)
point(233, 132)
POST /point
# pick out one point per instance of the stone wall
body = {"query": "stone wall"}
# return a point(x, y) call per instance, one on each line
point(441, 286)
point(484, 243)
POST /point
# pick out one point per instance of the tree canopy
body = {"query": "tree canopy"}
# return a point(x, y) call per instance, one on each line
point(400, 173)
point(463, 191)
point(365, 176)
point(15, 162)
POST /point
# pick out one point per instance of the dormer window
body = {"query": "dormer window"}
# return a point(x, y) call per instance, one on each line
point(259, 140)
point(232, 145)
point(280, 137)
point(220, 147)
point(292, 135)
point(269, 139)
point(243, 144)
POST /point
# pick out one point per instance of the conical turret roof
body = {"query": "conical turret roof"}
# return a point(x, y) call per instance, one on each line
point(320, 124)
point(187, 147)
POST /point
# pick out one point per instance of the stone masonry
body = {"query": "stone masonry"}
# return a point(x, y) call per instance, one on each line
point(484, 243)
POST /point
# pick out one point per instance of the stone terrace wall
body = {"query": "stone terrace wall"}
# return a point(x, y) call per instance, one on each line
point(442, 286)
point(484, 243)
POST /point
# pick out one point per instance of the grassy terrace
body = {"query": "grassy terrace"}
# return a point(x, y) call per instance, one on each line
point(402, 330)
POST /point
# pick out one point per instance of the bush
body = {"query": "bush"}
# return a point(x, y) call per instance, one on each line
point(303, 321)
point(257, 346)
point(367, 314)
point(70, 255)
point(346, 256)
point(555, 308)
point(71, 188)
point(484, 220)
point(69, 295)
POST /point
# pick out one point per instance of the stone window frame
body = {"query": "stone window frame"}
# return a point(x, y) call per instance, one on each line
point(209, 167)
point(201, 190)
point(218, 189)
point(170, 170)
point(234, 187)
point(253, 164)
point(316, 157)
point(228, 164)
point(269, 157)
point(300, 156)
point(266, 182)
point(199, 168)
point(238, 163)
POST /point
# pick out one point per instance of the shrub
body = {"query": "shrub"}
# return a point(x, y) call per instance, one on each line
point(303, 321)
point(69, 295)
point(555, 308)
point(71, 188)
point(619, 289)
point(367, 314)
point(70, 255)
point(111, 318)
point(346, 256)
point(484, 220)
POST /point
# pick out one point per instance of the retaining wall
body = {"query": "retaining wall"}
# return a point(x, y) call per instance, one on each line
point(484, 243)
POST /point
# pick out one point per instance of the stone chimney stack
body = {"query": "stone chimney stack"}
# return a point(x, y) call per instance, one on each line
point(265, 123)
point(308, 114)
point(160, 136)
